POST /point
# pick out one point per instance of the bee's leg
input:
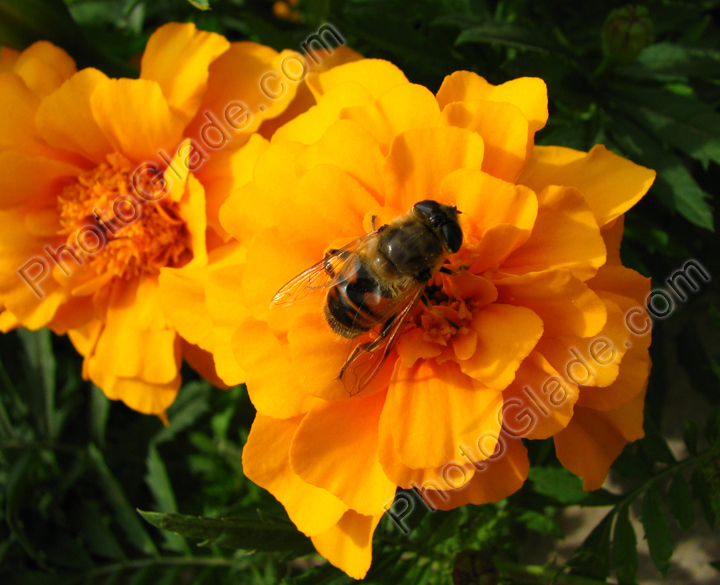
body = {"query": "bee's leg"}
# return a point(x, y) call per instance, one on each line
point(369, 346)
point(446, 270)
point(426, 301)
point(372, 221)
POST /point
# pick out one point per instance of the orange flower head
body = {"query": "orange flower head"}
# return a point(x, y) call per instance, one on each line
point(491, 353)
point(107, 181)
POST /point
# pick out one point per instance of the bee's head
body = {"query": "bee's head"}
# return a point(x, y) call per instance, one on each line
point(443, 220)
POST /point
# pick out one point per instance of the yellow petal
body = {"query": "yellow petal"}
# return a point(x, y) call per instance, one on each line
point(137, 394)
point(504, 129)
point(566, 305)
point(610, 184)
point(563, 216)
point(136, 119)
point(177, 56)
point(65, 119)
point(528, 94)
point(374, 75)
point(8, 58)
point(311, 125)
point(438, 400)
point(594, 439)
point(192, 211)
point(506, 336)
point(419, 161)
point(266, 461)
point(348, 544)
point(43, 67)
point(271, 381)
point(539, 403)
point(335, 448)
point(349, 147)
point(182, 291)
point(497, 478)
point(404, 107)
point(32, 181)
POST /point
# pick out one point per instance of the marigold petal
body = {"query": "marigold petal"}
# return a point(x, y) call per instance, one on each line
point(266, 461)
point(489, 201)
point(539, 403)
point(224, 173)
point(612, 234)
point(271, 381)
point(309, 126)
point(419, 161)
point(137, 394)
point(623, 281)
point(413, 347)
point(593, 439)
point(348, 544)
point(497, 243)
point(8, 58)
point(182, 291)
point(18, 132)
point(494, 479)
point(471, 287)
point(32, 181)
point(566, 305)
point(404, 107)
point(451, 474)
point(177, 56)
point(374, 75)
point(138, 341)
point(65, 119)
point(202, 362)
point(591, 361)
point(504, 129)
point(528, 94)
point(233, 105)
point(506, 336)
point(335, 448)
point(610, 183)
point(563, 217)
point(250, 208)
point(136, 119)
point(349, 147)
point(438, 400)
point(44, 67)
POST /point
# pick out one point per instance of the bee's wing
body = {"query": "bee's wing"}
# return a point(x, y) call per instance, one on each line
point(322, 275)
point(367, 359)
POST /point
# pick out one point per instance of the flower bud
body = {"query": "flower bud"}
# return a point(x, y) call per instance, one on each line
point(626, 32)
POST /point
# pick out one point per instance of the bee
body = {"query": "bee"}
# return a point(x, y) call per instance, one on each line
point(375, 283)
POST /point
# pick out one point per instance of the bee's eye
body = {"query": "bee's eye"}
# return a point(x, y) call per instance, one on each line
point(427, 208)
point(453, 236)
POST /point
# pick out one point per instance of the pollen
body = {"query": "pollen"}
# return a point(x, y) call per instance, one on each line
point(444, 316)
point(118, 231)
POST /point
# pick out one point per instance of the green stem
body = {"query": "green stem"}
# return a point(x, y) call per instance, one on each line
point(142, 563)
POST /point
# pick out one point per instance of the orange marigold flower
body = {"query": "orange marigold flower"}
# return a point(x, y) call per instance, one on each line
point(536, 289)
point(106, 181)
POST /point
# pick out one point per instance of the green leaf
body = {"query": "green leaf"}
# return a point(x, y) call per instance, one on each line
point(511, 35)
point(191, 404)
point(124, 513)
point(592, 558)
point(624, 548)
point(243, 533)
point(540, 523)
point(565, 487)
point(15, 492)
point(40, 356)
point(664, 61)
point(99, 411)
point(681, 502)
point(684, 122)
point(159, 483)
point(22, 22)
point(200, 4)
point(690, 436)
point(674, 184)
point(96, 533)
point(657, 530)
point(701, 491)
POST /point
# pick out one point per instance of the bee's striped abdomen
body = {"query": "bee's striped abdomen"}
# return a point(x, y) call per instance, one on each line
point(352, 306)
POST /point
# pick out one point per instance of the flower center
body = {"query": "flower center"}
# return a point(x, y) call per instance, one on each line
point(445, 316)
point(120, 232)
